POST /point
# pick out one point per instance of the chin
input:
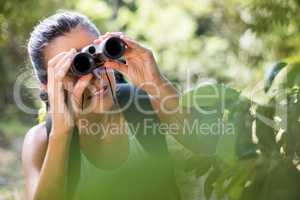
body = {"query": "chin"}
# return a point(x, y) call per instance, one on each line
point(99, 98)
point(101, 104)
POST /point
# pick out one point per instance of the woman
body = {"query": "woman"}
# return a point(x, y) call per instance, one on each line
point(102, 164)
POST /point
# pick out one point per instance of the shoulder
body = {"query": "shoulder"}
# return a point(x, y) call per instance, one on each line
point(36, 134)
point(35, 143)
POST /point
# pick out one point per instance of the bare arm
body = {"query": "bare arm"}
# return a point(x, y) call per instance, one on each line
point(45, 160)
point(45, 164)
point(165, 100)
point(142, 70)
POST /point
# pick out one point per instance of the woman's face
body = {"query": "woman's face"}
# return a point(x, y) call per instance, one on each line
point(97, 97)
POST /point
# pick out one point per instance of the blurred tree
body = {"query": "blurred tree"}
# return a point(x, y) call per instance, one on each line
point(229, 41)
point(194, 40)
point(17, 19)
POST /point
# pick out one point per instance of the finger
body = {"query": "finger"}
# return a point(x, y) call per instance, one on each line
point(52, 69)
point(70, 54)
point(69, 83)
point(63, 69)
point(101, 38)
point(64, 65)
point(107, 35)
point(130, 42)
point(121, 67)
point(116, 33)
point(52, 62)
point(79, 88)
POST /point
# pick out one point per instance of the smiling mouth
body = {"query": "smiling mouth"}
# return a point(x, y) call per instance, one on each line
point(99, 92)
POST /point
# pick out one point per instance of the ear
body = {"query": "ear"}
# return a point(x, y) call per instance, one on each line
point(43, 87)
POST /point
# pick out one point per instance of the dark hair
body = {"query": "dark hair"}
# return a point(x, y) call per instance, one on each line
point(50, 28)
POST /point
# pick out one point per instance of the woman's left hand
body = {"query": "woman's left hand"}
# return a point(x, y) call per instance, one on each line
point(140, 68)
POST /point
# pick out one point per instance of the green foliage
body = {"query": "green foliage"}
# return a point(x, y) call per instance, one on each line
point(219, 39)
point(272, 74)
point(229, 41)
point(265, 161)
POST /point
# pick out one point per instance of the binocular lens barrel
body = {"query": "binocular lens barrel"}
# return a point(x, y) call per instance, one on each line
point(82, 64)
point(113, 48)
point(86, 61)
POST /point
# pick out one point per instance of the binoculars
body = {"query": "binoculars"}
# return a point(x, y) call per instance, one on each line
point(94, 56)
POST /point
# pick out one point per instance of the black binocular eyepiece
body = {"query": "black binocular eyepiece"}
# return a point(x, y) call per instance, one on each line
point(94, 55)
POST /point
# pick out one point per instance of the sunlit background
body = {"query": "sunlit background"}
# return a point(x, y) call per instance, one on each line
point(228, 41)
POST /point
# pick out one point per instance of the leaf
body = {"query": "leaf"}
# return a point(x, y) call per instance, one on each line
point(270, 76)
point(209, 181)
point(237, 184)
point(287, 78)
point(211, 102)
point(242, 119)
point(265, 130)
point(224, 177)
point(200, 164)
point(209, 95)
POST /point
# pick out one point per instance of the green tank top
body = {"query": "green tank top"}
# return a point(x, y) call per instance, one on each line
point(141, 177)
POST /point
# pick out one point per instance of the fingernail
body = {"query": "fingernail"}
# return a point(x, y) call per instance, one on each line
point(97, 41)
point(71, 51)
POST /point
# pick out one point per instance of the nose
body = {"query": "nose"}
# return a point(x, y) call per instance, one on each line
point(97, 72)
point(99, 78)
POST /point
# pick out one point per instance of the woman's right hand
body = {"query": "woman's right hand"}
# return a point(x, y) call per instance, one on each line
point(62, 114)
